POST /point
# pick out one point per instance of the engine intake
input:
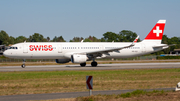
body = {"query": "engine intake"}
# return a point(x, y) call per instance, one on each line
point(62, 60)
point(78, 58)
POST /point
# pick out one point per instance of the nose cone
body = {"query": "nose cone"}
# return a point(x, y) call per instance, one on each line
point(5, 53)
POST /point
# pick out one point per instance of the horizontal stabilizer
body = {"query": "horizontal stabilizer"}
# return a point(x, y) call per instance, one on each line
point(163, 45)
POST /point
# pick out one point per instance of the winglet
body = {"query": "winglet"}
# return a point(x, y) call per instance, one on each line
point(136, 39)
point(82, 41)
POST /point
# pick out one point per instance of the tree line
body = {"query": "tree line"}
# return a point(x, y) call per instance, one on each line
point(123, 36)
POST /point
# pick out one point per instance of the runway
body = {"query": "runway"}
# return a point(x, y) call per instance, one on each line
point(88, 67)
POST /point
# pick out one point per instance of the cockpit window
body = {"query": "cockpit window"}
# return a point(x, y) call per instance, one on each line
point(13, 48)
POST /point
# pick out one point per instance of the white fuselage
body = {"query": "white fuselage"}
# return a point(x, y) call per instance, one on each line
point(64, 50)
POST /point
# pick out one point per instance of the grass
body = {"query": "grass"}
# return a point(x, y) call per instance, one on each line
point(12, 83)
point(135, 93)
point(139, 92)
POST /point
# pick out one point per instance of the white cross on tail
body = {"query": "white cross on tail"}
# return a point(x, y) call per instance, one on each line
point(157, 31)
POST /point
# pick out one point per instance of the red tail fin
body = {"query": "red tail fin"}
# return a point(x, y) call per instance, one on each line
point(157, 32)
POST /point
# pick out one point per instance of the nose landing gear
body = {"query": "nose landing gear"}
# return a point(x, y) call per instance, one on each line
point(23, 65)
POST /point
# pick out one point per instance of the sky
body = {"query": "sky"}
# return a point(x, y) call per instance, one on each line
point(84, 18)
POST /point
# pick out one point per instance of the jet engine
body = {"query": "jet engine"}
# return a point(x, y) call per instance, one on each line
point(62, 60)
point(78, 58)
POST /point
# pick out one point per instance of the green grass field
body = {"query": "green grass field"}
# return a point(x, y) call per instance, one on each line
point(12, 83)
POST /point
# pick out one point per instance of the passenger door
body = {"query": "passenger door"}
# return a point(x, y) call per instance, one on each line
point(59, 48)
point(25, 48)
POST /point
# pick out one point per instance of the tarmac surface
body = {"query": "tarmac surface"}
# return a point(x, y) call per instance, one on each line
point(88, 67)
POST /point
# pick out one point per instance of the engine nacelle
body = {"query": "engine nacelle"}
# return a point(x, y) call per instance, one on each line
point(62, 60)
point(78, 58)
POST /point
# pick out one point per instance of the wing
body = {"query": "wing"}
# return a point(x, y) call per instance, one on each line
point(110, 50)
point(105, 52)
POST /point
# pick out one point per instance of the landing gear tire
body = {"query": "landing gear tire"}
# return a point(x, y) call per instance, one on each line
point(83, 64)
point(94, 64)
point(23, 65)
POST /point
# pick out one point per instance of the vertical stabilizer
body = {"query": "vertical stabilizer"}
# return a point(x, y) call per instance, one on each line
point(156, 34)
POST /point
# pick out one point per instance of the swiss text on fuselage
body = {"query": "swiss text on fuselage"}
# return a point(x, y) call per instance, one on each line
point(40, 47)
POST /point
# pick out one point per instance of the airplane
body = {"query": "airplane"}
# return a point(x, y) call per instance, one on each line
point(80, 52)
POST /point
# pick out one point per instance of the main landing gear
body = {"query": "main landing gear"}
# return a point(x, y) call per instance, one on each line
point(83, 64)
point(23, 65)
point(93, 64)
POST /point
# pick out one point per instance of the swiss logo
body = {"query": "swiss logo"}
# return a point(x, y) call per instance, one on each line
point(157, 31)
point(40, 47)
